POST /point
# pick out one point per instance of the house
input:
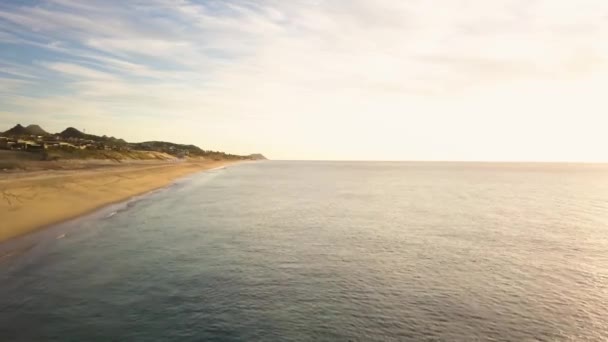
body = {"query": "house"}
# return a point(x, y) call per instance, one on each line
point(3, 143)
point(30, 146)
point(66, 146)
point(51, 144)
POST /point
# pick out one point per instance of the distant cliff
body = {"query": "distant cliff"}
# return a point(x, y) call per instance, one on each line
point(257, 156)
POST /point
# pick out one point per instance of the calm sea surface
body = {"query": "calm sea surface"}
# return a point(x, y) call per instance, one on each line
point(320, 251)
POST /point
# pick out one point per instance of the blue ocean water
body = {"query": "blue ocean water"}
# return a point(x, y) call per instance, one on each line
point(327, 251)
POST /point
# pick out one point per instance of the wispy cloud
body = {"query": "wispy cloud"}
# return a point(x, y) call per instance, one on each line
point(257, 69)
point(79, 72)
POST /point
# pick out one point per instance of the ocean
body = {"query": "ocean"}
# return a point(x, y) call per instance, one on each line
point(327, 251)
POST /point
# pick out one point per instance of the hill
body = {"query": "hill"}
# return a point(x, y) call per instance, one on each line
point(167, 147)
point(257, 156)
point(72, 132)
point(19, 130)
point(181, 150)
point(89, 142)
point(36, 130)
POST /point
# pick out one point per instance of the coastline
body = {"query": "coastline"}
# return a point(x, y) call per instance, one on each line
point(33, 201)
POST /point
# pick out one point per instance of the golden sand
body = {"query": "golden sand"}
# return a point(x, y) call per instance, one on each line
point(29, 201)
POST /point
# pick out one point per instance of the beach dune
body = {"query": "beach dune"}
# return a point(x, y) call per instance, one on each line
point(30, 201)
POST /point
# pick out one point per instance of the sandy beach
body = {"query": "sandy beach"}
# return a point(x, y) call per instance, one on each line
point(33, 200)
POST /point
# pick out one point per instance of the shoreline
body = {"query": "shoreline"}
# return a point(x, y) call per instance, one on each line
point(35, 202)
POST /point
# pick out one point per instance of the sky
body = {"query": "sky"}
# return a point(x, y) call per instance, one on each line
point(500, 80)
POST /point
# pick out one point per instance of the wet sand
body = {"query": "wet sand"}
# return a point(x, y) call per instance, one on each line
point(33, 200)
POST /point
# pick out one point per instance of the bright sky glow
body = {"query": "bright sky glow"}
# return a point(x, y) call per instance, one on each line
point(311, 79)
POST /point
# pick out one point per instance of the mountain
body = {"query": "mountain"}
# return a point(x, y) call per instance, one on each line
point(72, 132)
point(36, 130)
point(19, 130)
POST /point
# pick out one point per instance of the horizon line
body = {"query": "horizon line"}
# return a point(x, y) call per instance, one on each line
point(442, 161)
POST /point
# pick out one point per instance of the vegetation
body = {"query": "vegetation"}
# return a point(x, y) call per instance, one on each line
point(73, 133)
point(183, 150)
point(74, 144)
point(72, 154)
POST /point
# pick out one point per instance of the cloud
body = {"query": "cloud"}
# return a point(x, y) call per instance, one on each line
point(79, 72)
point(257, 69)
point(12, 84)
point(18, 71)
